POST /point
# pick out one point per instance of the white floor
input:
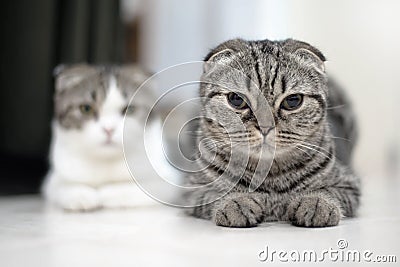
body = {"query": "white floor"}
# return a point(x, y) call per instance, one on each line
point(32, 235)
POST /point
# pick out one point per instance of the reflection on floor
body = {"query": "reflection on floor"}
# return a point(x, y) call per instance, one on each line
point(33, 235)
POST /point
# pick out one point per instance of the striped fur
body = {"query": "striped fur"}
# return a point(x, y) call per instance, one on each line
point(306, 183)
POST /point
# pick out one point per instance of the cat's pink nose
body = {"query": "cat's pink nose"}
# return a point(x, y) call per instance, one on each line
point(108, 131)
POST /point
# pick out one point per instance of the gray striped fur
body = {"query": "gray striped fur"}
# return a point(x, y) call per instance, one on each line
point(306, 184)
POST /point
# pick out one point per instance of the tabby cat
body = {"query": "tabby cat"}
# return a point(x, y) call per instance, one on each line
point(304, 122)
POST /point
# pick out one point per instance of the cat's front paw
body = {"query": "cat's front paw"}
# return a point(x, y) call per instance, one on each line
point(241, 211)
point(79, 198)
point(314, 211)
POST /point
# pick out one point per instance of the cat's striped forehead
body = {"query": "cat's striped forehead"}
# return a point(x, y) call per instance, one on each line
point(273, 68)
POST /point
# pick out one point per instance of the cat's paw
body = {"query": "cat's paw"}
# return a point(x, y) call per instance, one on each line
point(314, 211)
point(124, 195)
point(241, 211)
point(79, 198)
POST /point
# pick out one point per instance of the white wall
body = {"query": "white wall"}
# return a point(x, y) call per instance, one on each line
point(361, 40)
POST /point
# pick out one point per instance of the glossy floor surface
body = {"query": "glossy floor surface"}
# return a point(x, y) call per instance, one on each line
point(158, 235)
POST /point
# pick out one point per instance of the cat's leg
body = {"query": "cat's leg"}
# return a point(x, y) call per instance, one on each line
point(123, 195)
point(236, 209)
point(245, 209)
point(70, 196)
point(324, 207)
point(240, 210)
point(315, 209)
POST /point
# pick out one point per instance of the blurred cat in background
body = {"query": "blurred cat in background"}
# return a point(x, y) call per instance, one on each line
point(87, 166)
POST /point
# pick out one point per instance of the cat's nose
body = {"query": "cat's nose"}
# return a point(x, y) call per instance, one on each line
point(109, 131)
point(265, 130)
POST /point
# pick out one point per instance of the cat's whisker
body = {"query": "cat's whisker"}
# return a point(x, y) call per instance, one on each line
point(318, 147)
point(231, 144)
point(286, 138)
point(320, 152)
point(194, 134)
point(303, 151)
point(193, 131)
point(338, 106)
point(341, 138)
point(211, 143)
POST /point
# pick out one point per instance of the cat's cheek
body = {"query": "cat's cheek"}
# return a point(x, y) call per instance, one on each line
point(92, 136)
point(118, 135)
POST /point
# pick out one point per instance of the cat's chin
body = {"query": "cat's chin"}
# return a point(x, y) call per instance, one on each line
point(110, 144)
point(264, 148)
point(108, 150)
point(263, 151)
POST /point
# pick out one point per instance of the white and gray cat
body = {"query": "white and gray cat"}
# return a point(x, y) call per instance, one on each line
point(310, 182)
point(87, 166)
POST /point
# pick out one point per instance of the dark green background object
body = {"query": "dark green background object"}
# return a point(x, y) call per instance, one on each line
point(36, 37)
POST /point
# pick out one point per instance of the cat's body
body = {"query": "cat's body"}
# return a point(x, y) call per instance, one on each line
point(304, 182)
point(87, 164)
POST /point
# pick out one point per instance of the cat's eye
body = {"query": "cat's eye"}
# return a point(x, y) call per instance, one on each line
point(128, 110)
point(86, 109)
point(292, 102)
point(236, 101)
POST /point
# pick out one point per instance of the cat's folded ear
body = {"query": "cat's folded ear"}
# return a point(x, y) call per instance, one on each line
point(135, 73)
point(138, 80)
point(222, 54)
point(220, 57)
point(136, 76)
point(306, 53)
point(68, 76)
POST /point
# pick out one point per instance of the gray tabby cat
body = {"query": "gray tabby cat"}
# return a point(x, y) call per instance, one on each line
point(309, 182)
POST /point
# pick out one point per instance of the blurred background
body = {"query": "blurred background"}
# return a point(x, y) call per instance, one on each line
point(360, 38)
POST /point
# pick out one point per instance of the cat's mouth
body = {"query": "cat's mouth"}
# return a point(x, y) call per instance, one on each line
point(109, 143)
point(265, 147)
point(255, 147)
point(265, 142)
